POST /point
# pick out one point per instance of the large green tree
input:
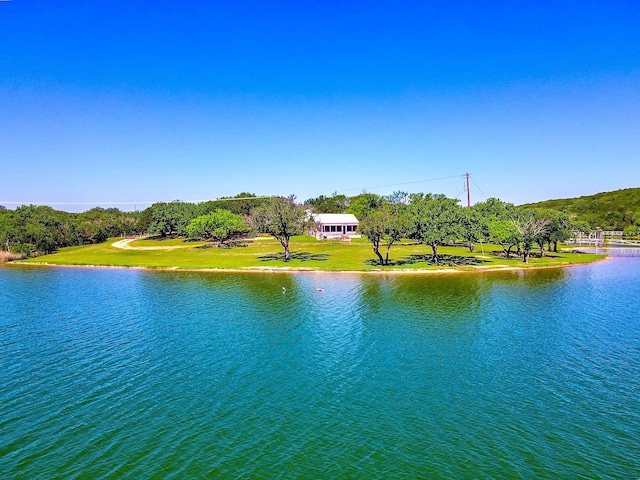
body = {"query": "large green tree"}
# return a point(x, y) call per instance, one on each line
point(383, 228)
point(475, 227)
point(365, 204)
point(498, 217)
point(282, 218)
point(503, 232)
point(219, 225)
point(435, 220)
point(559, 229)
point(172, 218)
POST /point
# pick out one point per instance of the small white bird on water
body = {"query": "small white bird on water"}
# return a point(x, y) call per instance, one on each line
point(284, 290)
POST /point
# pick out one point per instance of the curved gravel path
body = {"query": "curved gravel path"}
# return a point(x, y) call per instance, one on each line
point(126, 245)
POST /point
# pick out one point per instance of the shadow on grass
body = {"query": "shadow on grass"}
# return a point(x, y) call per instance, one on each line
point(160, 238)
point(229, 245)
point(443, 261)
point(300, 256)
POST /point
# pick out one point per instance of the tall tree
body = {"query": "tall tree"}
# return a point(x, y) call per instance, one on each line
point(498, 218)
point(504, 233)
point(531, 227)
point(435, 220)
point(561, 228)
point(495, 208)
point(474, 227)
point(365, 204)
point(383, 228)
point(283, 219)
point(219, 225)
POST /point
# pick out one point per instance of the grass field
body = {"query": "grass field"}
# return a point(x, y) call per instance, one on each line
point(307, 254)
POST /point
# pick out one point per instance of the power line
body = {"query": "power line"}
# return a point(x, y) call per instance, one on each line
point(12, 202)
point(484, 194)
point(460, 194)
point(404, 183)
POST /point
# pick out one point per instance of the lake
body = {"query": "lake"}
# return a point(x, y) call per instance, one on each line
point(116, 373)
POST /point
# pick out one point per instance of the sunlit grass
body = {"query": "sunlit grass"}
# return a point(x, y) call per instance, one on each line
point(307, 254)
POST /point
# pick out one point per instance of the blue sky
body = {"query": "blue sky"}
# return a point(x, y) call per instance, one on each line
point(128, 101)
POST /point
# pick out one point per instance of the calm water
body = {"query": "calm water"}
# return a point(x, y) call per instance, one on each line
point(133, 374)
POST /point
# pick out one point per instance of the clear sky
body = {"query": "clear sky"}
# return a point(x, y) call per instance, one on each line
point(130, 101)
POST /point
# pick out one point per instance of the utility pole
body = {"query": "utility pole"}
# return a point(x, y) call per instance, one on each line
point(466, 185)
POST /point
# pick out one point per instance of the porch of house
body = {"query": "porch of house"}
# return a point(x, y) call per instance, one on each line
point(335, 226)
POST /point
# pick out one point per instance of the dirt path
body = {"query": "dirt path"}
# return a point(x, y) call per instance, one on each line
point(126, 245)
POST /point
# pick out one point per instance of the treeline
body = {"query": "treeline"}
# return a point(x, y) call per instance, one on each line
point(37, 230)
point(173, 218)
point(437, 220)
point(430, 219)
point(617, 210)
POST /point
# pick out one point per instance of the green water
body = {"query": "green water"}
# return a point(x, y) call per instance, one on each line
point(133, 374)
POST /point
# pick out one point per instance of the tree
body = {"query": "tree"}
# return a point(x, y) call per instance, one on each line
point(474, 227)
point(531, 227)
point(581, 226)
point(171, 218)
point(333, 204)
point(282, 218)
point(240, 204)
point(365, 204)
point(32, 230)
point(495, 208)
point(384, 227)
point(219, 225)
point(561, 229)
point(435, 220)
point(504, 233)
point(497, 216)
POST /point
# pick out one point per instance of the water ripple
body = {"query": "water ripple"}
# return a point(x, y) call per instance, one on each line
point(180, 375)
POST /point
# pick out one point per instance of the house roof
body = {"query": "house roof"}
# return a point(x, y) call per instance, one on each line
point(326, 218)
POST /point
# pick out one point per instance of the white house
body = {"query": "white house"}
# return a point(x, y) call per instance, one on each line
point(335, 225)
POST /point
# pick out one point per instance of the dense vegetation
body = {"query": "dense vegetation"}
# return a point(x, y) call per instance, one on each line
point(618, 210)
point(437, 220)
point(31, 230)
point(39, 230)
point(429, 219)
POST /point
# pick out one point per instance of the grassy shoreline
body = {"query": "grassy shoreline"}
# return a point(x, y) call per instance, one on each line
point(264, 255)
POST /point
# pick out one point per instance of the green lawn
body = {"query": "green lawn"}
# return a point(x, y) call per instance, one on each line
point(307, 254)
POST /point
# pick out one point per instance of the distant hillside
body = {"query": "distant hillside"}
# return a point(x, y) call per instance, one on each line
point(608, 210)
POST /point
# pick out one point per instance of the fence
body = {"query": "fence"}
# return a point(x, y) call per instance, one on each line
point(613, 251)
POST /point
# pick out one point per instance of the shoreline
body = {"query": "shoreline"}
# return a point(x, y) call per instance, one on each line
point(294, 270)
